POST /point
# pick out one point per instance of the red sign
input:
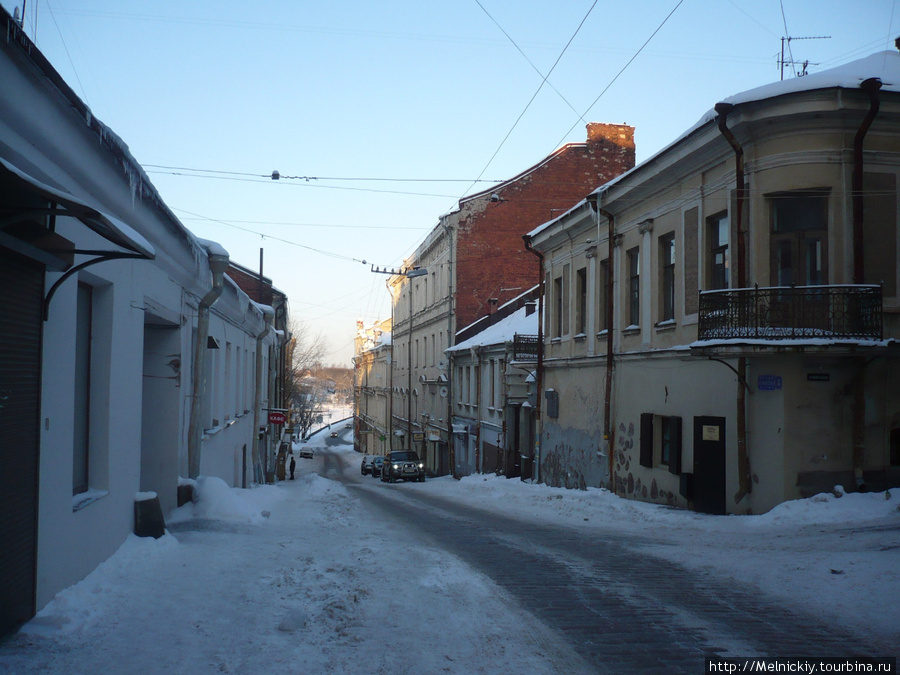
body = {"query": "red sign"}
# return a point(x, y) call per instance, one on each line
point(277, 418)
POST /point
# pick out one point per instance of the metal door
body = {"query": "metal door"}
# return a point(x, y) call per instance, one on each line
point(709, 465)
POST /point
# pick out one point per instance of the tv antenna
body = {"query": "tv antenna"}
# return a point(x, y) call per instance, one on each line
point(805, 64)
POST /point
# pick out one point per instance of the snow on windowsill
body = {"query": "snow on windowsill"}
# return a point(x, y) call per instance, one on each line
point(668, 324)
point(633, 328)
point(82, 499)
point(581, 337)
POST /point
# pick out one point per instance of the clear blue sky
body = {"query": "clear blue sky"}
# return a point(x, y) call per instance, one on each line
point(401, 89)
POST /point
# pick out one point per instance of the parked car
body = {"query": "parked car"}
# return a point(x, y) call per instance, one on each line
point(403, 464)
point(366, 467)
point(306, 451)
point(377, 465)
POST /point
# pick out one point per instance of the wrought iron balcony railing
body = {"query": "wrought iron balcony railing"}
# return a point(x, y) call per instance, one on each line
point(792, 312)
point(525, 347)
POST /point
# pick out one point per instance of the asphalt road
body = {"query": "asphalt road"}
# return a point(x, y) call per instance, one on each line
point(618, 605)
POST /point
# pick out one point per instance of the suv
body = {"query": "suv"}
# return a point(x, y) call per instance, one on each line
point(403, 464)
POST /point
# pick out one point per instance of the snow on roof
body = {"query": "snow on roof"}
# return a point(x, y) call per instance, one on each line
point(502, 331)
point(882, 65)
point(213, 247)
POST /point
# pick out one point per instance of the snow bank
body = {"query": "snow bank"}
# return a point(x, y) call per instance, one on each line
point(216, 500)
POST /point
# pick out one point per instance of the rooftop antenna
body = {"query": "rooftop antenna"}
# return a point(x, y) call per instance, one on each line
point(781, 61)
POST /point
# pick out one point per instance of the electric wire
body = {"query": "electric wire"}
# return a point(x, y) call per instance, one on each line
point(613, 81)
point(534, 96)
point(530, 63)
point(330, 254)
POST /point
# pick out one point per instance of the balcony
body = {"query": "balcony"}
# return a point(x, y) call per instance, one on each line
point(791, 313)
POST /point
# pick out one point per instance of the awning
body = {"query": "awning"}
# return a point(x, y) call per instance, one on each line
point(109, 227)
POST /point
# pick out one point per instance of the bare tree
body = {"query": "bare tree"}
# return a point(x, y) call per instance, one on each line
point(304, 391)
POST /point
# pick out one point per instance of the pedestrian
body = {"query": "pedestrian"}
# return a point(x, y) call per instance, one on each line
point(293, 466)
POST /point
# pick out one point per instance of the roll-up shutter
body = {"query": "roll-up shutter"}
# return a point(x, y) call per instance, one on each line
point(21, 297)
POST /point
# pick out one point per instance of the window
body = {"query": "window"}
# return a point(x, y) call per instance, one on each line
point(83, 342)
point(667, 277)
point(798, 252)
point(557, 307)
point(634, 286)
point(719, 233)
point(492, 383)
point(581, 301)
point(660, 442)
point(561, 304)
point(603, 295)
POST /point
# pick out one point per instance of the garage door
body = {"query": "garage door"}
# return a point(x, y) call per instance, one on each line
point(21, 294)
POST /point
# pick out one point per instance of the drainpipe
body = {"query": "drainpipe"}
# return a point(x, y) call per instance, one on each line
point(218, 264)
point(269, 317)
point(608, 430)
point(539, 379)
point(451, 340)
point(871, 87)
point(745, 485)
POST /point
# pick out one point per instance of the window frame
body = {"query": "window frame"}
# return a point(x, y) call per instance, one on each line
point(667, 254)
point(633, 260)
point(718, 274)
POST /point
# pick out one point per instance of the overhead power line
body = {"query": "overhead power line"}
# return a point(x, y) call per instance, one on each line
point(613, 81)
point(534, 96)
point(275, 175)
point(330, 254)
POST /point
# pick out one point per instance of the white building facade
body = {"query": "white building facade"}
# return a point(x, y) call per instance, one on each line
point(129, 361)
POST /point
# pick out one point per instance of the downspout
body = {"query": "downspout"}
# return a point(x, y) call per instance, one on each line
point(871, 87)
point(451, 341)
point(269, 318)
point(478, 365)
point(218, 264)
point(745, 485)
point(539, 379)
point(608, 430)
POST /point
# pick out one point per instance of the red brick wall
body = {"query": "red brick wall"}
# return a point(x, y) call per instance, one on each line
point(490, 253)
point(250, 285)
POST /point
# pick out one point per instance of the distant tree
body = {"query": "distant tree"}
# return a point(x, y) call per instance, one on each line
point(305, 393)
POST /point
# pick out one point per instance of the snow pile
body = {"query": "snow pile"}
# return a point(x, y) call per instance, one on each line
point(80, 606)
point(850, 508)
point(216, 500)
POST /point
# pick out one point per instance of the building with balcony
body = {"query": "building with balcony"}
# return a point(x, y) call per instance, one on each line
point(469, 264)
point(719, 325)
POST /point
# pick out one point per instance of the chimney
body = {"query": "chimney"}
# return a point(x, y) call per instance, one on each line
point(617, 134)
point(530, 306)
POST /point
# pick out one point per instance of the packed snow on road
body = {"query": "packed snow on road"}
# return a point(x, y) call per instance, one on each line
point(301, 577)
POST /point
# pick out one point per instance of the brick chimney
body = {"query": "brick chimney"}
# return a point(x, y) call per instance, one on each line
point(618, 134)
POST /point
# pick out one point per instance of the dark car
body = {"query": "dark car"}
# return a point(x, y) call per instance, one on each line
point(403, 464)
point(334, 434)
point(366, 466)
point(377, 465)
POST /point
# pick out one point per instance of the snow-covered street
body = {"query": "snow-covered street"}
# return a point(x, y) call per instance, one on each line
point(305, 576)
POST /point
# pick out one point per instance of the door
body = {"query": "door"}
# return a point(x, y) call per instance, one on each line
point(709, 465)
point(21, 322)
